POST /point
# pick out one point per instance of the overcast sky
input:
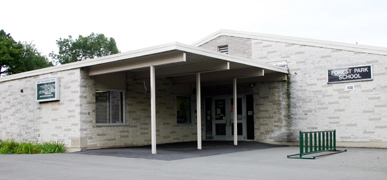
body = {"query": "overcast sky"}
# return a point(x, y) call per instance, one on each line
point(136, 24)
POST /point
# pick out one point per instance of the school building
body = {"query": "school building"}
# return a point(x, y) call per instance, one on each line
point(270, 86)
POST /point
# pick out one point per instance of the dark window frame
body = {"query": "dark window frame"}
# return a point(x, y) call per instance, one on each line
point(110, 119)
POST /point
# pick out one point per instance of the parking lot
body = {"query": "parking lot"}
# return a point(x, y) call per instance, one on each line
point(183, 161)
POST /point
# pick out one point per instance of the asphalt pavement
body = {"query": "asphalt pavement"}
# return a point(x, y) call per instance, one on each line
point(218, 162)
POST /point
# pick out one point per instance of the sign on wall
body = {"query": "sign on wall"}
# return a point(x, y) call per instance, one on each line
point(47, 89)
point(350, 74)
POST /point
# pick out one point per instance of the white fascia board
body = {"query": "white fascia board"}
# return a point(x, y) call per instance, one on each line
point(295, 40)
point(132, 54)
point(230, 58)
point(91, 62)
point(209, 38)
point(143, 52)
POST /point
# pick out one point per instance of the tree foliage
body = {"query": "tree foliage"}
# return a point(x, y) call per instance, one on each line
point(10, 55)
point(32, 58)
point(83, 48)
point(16, 57)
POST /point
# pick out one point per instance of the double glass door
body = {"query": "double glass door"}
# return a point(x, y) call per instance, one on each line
point(222, 118)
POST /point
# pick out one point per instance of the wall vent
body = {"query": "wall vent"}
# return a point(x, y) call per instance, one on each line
point(350, 88)
point(223, 49)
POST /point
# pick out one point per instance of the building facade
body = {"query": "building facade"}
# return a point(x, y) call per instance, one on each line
point(280, 84)
point(307, 102)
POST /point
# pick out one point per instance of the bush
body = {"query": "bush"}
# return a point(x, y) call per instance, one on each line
point(27, 148)
point(52, 147)
point(8, 147)
point(12, 147)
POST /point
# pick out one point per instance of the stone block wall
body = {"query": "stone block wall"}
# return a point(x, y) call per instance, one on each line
point(306, 102)
point(236, 46)
point(24, 119)
point(358, 115)
point(271, 121)
point(138, 106)
point(137, 130)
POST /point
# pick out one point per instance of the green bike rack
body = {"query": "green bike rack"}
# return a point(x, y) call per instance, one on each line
point(316, 142)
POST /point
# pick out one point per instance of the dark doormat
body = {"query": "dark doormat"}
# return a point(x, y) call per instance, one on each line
point(176, 151)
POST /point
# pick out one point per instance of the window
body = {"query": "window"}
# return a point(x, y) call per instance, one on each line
point(183, 109)
point(223, 49)
point(110, 107)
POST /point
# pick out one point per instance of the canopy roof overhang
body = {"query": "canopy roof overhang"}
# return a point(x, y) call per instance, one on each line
point(181, 63)
point(176, 60)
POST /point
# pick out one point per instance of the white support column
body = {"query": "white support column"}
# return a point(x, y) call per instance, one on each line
point(153, 108)
point(235, 113)
point(198, 111)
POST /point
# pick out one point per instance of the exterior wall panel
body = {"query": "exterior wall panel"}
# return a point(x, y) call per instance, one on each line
point(136, 131)
point(236, 46)
point(22, 118)
point(306, 102)
point(359, 115)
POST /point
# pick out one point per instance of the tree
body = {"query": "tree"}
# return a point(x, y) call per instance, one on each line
point(83, 48)
point(10, 55)
point(32, 58)
point(16, 57)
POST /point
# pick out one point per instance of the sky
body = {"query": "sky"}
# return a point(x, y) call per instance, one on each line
point(136, 24)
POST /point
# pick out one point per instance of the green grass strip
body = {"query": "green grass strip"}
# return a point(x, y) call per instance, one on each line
point(12, 147)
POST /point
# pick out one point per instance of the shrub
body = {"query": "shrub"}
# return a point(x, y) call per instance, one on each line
point(12, 147)
point(27, 148)
point(52, 147)
point(8, 147)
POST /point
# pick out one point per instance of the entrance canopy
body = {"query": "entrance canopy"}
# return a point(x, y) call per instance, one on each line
point(175, 60)
point(182, 62)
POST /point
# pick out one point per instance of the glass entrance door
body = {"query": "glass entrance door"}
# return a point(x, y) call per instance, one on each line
point(223, 118)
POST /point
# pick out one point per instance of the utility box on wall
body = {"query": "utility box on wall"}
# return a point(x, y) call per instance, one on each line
point(47, 89)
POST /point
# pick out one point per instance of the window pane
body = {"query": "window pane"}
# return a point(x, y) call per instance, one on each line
point(208, 102)
point(220, 109)
point(109, 106)
point(183, 110)
point(239, 115)
point(220, 129)
point(102, 106)
point(116, 106)
point(240, 129)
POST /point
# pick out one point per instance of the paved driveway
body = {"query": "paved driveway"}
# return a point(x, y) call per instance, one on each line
point(264, 163)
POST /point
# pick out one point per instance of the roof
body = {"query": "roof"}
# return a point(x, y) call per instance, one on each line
point(295, 40)
point(153, 52)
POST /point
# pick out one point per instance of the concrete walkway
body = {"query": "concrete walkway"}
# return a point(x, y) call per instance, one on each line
point(264, 163)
